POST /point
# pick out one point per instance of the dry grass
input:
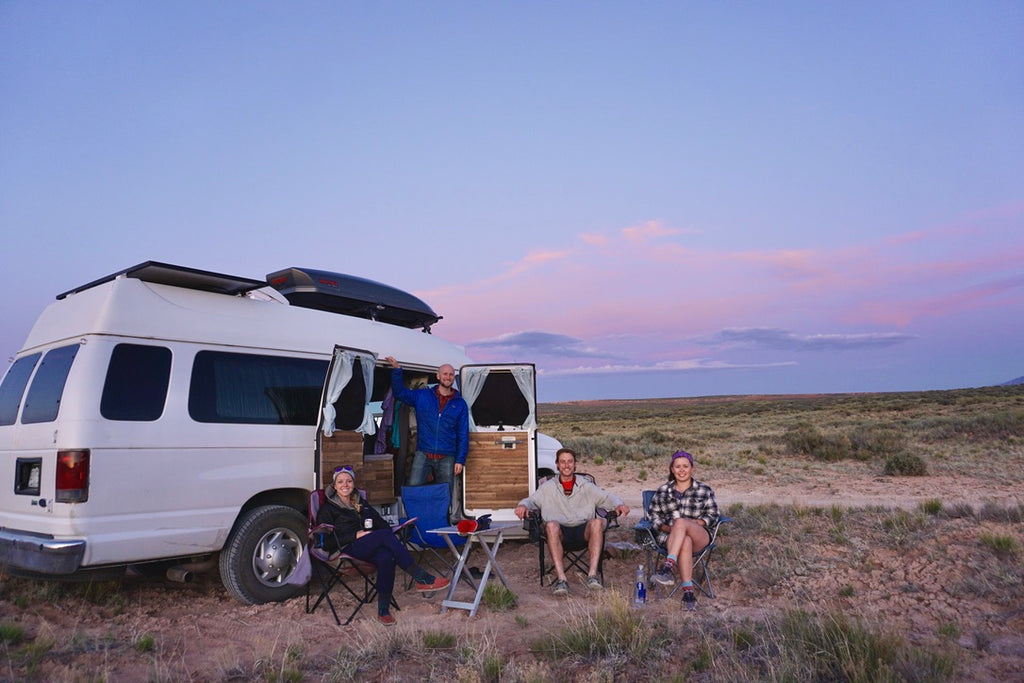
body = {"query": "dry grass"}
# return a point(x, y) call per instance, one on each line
point(806, 592)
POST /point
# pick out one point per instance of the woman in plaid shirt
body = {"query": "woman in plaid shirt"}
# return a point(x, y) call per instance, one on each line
point(683, 513)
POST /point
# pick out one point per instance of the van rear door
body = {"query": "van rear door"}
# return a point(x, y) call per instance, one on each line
point(501, 467)
point(347, 427)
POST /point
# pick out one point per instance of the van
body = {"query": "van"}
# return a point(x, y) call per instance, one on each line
point(165, 416)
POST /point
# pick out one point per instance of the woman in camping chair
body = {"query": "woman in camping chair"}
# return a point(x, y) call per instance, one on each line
point(362, 533)
point(683, 513)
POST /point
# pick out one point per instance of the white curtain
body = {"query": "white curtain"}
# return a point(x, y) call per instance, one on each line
point(341, 374)
point(524, 380)
point(472, 382)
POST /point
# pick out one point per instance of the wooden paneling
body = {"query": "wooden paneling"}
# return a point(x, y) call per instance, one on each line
point(496, 476)
point(375, 474)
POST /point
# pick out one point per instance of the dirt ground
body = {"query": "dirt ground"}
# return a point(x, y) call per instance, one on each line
point(157, 630)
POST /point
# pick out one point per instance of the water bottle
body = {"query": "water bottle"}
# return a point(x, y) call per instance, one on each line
point(640, 599)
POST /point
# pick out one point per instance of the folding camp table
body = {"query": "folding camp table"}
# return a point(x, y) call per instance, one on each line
point(488, 539)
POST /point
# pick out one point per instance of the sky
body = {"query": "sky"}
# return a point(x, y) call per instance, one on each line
point(645, 199)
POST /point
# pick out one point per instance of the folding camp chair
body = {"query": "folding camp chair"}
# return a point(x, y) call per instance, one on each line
point(330, 569)
point(576, 554)
point(428, 504)
point(647, 538)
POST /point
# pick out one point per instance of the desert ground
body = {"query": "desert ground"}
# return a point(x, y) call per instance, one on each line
point(831, 569)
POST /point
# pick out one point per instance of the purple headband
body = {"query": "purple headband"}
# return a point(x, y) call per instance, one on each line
point(682, 454)
point(347, 470)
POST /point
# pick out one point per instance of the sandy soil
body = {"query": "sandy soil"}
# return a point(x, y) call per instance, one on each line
point(197, 632)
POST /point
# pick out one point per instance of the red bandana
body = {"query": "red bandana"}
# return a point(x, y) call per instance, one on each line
point(567, 485)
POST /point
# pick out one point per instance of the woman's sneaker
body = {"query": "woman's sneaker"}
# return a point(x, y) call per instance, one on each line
point(689, 599)
point(561, 587)
point(664, 577)
point(435, 585)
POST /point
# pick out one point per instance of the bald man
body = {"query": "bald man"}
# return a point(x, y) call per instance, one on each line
point(442, 426)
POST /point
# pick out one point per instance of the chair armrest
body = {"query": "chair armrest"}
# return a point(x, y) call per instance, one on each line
point(407, 523)
point(611, 515)
point(532, 523)
point(644, 534)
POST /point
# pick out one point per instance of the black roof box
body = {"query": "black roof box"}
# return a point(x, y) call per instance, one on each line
point(351, 295)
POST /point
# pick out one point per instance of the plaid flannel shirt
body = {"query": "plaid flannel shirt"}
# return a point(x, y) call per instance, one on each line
point(696, 502)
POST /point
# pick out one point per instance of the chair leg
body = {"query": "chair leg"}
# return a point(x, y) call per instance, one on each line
point(543, 541)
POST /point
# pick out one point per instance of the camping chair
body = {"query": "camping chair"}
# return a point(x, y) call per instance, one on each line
point(338, 568)
point(576, 555)
point(647, 538)
point(428, 505)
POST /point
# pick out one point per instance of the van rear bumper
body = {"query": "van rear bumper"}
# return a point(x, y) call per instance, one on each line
point(39, 553)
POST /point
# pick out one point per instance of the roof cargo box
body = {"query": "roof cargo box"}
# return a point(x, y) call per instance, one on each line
point(351, 295)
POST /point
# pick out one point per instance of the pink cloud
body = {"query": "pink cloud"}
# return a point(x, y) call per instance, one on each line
point(653, 283)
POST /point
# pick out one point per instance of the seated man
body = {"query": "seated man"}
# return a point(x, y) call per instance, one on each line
point(568, 506)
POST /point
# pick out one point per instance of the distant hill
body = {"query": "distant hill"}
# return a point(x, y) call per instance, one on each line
point(1019, 380)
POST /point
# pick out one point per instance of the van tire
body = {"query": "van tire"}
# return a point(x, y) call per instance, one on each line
point(261, 554)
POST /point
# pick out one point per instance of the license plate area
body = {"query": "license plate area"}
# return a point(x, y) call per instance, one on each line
point(27, 474)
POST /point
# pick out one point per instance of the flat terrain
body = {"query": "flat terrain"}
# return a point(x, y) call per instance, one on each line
point(922, 573)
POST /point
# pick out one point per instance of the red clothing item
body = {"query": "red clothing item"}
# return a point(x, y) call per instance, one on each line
point(567, 485)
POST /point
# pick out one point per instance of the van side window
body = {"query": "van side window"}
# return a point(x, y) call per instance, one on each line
point(14, 386)
point(243, 388)
point(136, 384)
point(44, 394)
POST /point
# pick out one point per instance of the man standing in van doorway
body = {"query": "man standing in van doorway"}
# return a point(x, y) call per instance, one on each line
point(442, 428)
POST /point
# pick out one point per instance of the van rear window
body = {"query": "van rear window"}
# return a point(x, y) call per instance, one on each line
point(13, 387)
point(243, 388)
point(44, 394)
point(136, 384)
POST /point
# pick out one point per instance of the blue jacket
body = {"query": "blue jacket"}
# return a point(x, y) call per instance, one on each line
point(444, 433)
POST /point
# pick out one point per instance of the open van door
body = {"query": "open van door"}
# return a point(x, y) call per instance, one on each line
point(501, 467)
point(347, 426)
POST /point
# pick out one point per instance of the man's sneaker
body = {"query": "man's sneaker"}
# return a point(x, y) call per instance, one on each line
point(594, 582)
point(561, 587)
point(435, 585)
point(689, 599)
point(386, 619)
point(664, 577)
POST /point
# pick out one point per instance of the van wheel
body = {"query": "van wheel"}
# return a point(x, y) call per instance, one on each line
point(261, 554)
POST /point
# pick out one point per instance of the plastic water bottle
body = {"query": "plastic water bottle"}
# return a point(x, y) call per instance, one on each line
point(640, 599)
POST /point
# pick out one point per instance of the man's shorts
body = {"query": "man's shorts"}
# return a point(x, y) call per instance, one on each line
point(574, 536)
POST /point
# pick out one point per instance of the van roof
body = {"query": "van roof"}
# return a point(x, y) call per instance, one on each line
point(160, 302)
point(178, 276)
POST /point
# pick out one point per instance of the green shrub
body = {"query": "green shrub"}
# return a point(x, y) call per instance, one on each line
point(499, 598)
point(805, 439)
point(905, 464)
point(932, 506)
point(438, 640)
point(11, 634)
point(1002, 545)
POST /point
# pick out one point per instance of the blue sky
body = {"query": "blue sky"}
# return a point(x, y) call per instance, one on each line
point(645, 199)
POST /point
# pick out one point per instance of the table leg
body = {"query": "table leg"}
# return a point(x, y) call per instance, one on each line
point(460, 572)
point(492, 558)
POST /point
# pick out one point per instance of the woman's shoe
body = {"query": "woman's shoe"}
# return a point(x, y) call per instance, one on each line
point(437, 584)
point(386, 619)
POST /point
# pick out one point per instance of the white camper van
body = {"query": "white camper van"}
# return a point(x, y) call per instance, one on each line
point(169, 415)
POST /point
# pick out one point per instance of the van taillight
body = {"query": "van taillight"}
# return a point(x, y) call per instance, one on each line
point(72, 476)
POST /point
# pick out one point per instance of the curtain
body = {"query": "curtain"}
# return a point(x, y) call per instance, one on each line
point(524, 380)
point(341, 375)
point(472, 382)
